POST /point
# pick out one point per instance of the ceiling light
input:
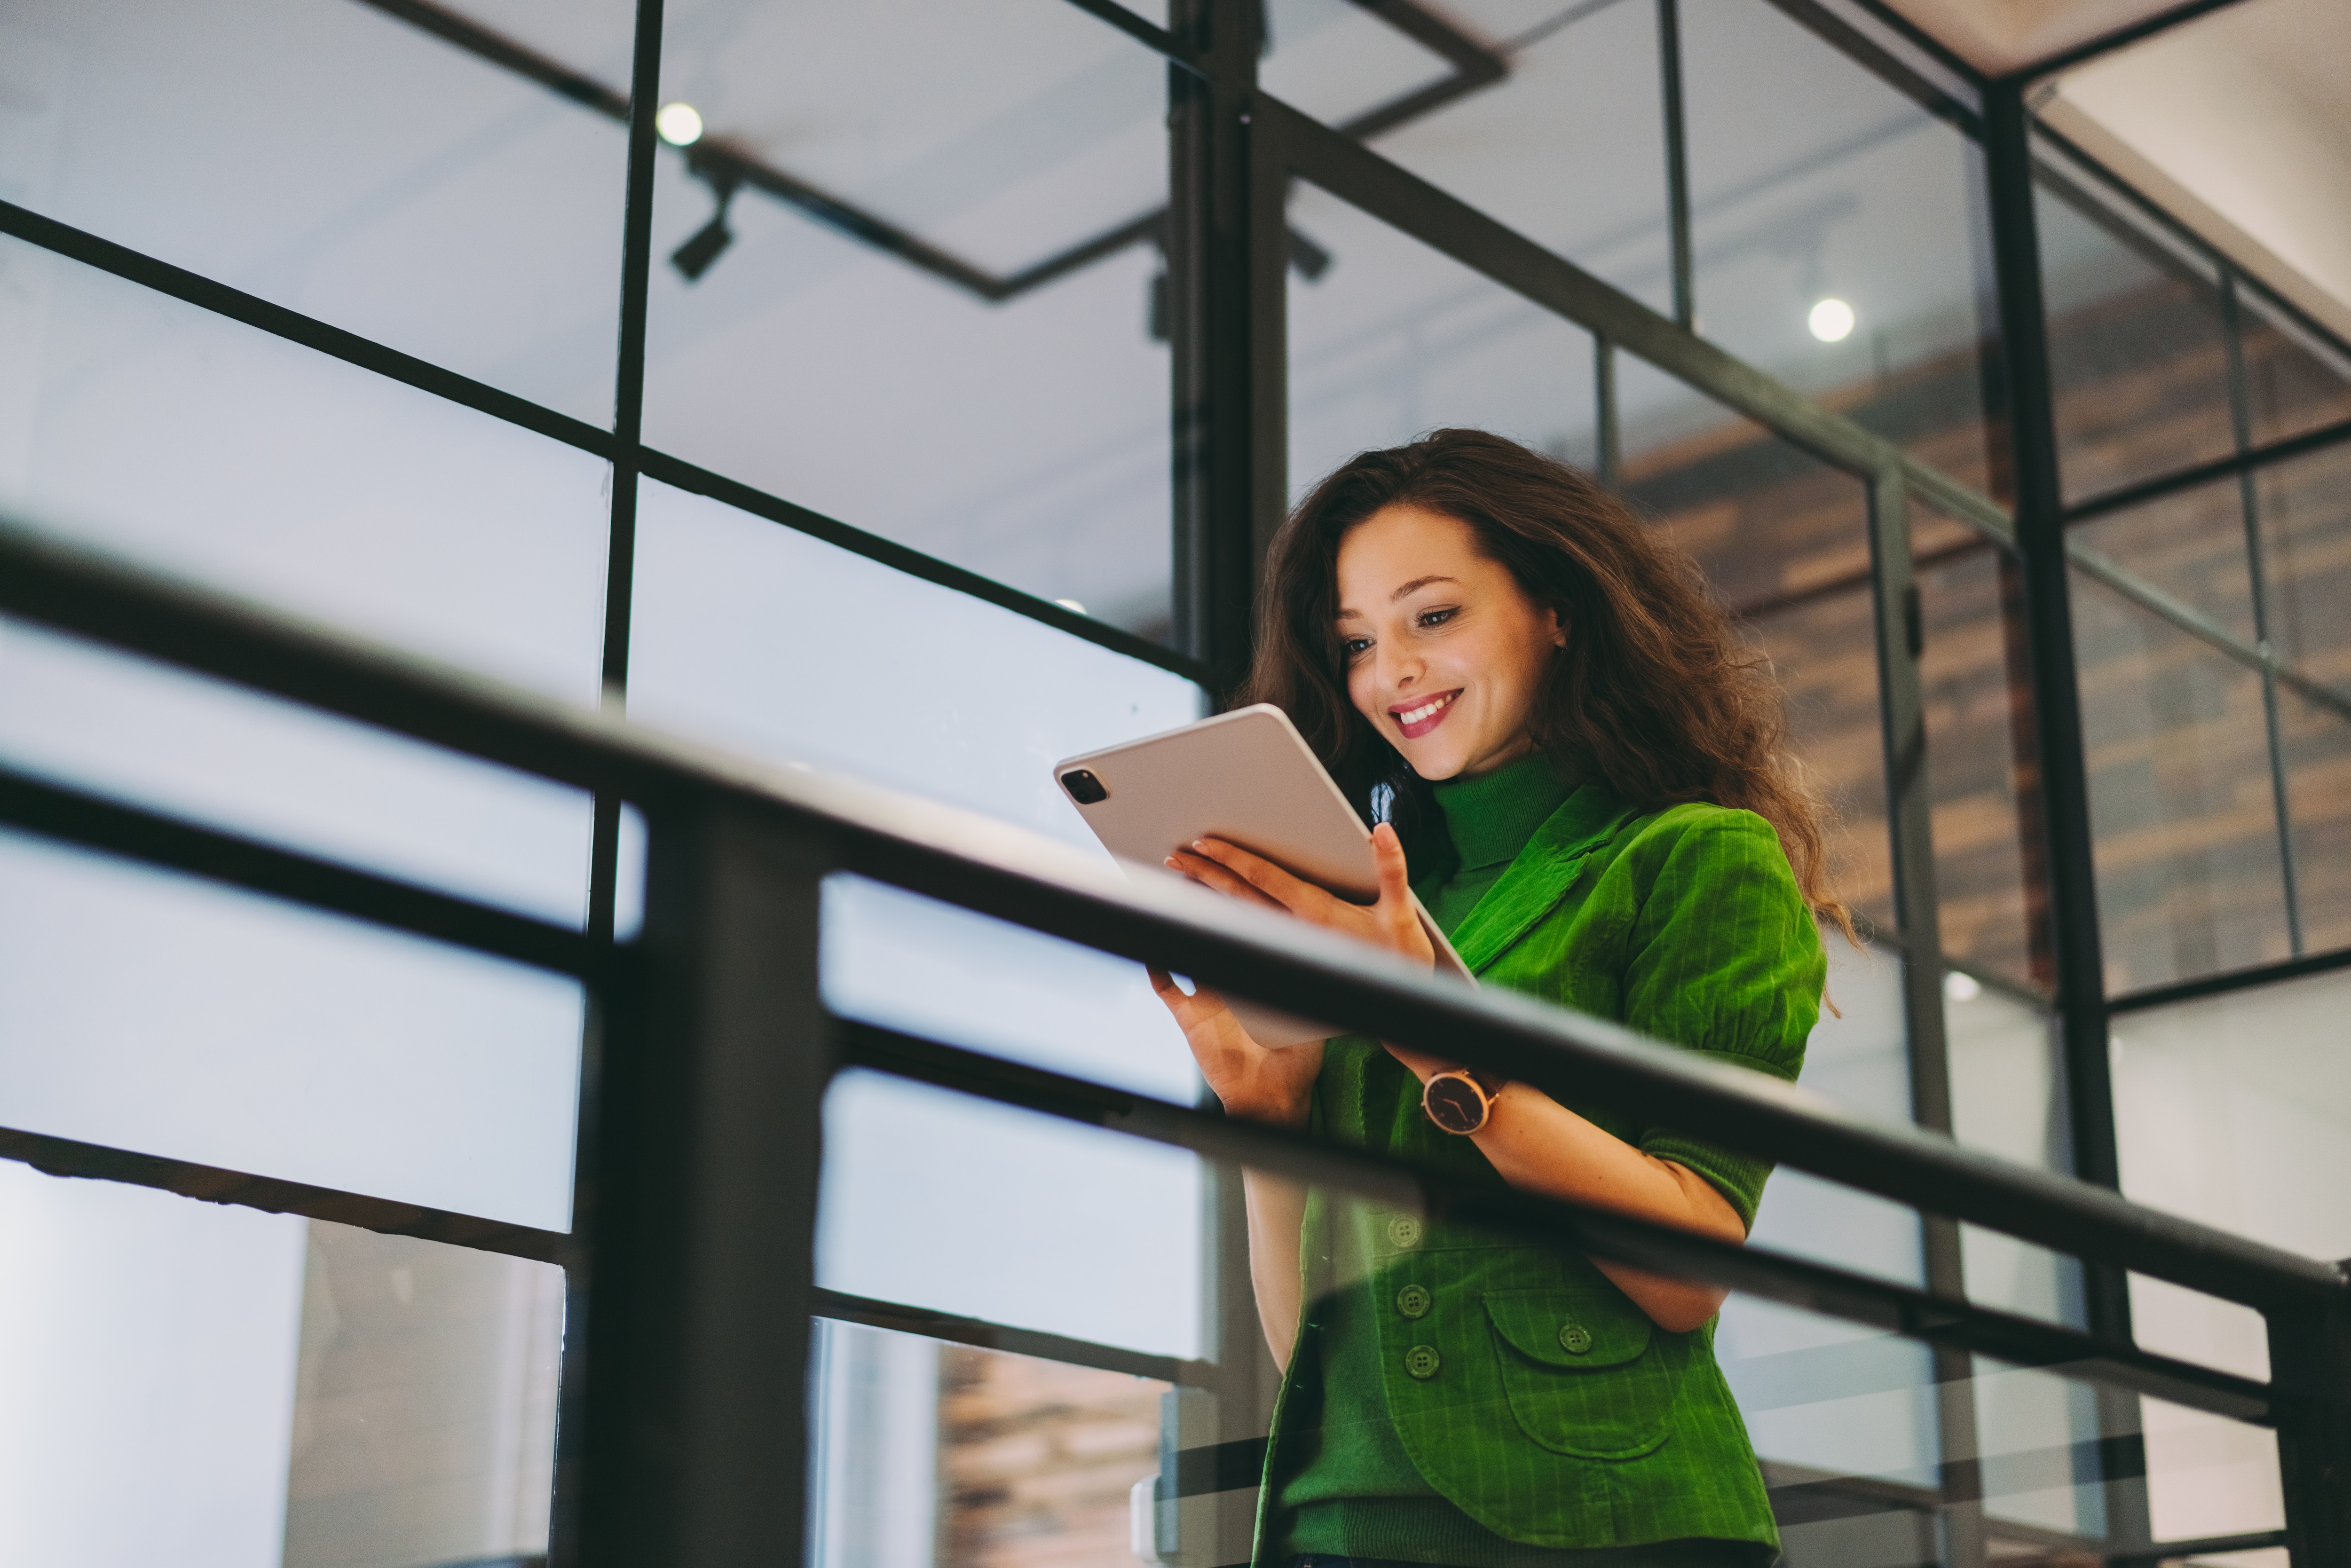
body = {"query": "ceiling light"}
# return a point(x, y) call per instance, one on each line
point(679, 125)
point(1831, 320)
point(1962, 988)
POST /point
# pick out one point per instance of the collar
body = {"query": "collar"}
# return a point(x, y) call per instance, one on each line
point(1492, 817)
point(1540, 875)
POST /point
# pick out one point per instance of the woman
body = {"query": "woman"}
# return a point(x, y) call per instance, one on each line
point(1579, 765)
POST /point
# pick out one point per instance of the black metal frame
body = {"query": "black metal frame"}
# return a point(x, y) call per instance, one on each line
point(1234, 153)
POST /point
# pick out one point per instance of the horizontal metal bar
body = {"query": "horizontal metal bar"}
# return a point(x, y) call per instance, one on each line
point(194, 288)
point(135, 833)
point(2251, 459)
point(900, 1318)
point(1152, 37)
point(2021, 1342)
point(212, 1184)
point(2275, 973)
point(986, 864)
point(2184, 617)
point(2198, 1546)
point(701, 481)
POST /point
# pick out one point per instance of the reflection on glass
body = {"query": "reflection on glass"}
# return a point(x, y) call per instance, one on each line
point(406, 183)
point(2189, 544)
point(1784, 540)
point(2137, 355)
point(1980, 743)
point(2306, 522)
point(264, 1038)
point(2295, 380)
point(929, 1453)
point(1813, 181)
point(872, 306)
point(1396, 340)
point(2190, 880)
point(425, 1393)
point(1569, 147)
point(2316, 744)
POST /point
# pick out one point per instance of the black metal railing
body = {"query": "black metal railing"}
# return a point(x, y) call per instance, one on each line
point(691, 1255)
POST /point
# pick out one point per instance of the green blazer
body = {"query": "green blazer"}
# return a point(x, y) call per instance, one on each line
point(1525, 1387)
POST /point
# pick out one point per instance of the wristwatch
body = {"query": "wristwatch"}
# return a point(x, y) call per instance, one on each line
point(1461, 1099)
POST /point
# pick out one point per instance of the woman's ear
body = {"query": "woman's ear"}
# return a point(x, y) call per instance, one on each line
point(1558, 628)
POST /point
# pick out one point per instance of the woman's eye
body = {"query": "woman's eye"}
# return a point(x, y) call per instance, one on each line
point(1438, 617)
point(1353, 646)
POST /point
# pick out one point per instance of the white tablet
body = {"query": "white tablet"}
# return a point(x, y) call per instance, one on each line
point(1248, 778)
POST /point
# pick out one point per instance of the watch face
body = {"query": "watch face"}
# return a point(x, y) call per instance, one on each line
point(1454, 1104)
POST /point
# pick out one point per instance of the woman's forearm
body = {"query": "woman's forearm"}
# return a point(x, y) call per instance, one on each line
point(1540, 1146)
point(1277, 1211)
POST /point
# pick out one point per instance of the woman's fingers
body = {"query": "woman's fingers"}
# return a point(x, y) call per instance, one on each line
point(1217, 879)
point(1399, 917)
point(1278, 885)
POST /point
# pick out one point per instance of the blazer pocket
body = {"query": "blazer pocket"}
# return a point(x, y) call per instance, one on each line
point(1583, 1379)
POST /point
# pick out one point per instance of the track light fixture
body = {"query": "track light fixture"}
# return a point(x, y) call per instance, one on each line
point(694, 258)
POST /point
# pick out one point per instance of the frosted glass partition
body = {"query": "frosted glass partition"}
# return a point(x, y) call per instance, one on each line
point(785, 647)
point(346, 163)
point(150, 1011)
point(147, 1375)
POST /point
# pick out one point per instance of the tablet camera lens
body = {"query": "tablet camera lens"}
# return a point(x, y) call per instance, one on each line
point(1083, 787)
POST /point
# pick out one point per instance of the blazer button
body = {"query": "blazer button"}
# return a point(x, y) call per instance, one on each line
point(1574, 1338)
point(1422, 1361)
point(1413, 1302)
point(1404, 1232)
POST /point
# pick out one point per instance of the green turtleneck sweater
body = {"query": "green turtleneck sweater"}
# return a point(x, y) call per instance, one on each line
point(1356, 1493)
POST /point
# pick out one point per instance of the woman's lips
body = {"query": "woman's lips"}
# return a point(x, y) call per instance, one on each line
point(1422, 714)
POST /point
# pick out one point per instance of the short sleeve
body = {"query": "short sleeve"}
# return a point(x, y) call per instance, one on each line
point(1727, 961)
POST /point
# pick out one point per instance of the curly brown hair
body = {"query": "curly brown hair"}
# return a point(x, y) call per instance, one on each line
point(1654, 693)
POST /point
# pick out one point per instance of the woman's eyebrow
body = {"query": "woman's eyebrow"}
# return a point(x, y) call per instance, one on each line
point(1420, 583)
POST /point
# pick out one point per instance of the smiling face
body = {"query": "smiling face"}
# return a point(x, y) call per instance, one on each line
point(1446, 653)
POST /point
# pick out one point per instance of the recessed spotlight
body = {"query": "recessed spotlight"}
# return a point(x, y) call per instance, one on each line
point(1831, 320)
point(1072, 605)
point(680, 124)
point(1960, 988)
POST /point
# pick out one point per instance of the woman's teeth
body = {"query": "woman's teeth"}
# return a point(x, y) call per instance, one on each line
point(1414, 715)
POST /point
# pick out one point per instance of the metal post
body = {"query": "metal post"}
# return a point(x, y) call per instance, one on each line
point(1902, 715)
point(1608, 460)
point(1677, 207)
point(1227, 254)
point(2248, 501)
point(701, 1260)
point(2310, 1368)
point(2080, 964)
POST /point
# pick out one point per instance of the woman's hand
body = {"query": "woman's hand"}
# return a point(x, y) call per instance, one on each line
point(1391, 923)
point(1256, 1083)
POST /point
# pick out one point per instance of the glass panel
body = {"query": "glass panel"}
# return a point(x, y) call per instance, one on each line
point(2305, 515)
point(2191, 545)
point(1397, 339)
point(2316, 744)
point(2294, 379)
point(990, 1212)
point(2009, 1099)
point(2187, 847)
point(1335, 60)
point(1979, 746)
point(206, 448)
point(1832, 227)
point(936, 1453)
point(920, 688)
point(266, 1039)
point(2138, 363)
point(347, 163)
point(423, 1420)
point(925, 381)
point(1784, 539)
point(1570, 149)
